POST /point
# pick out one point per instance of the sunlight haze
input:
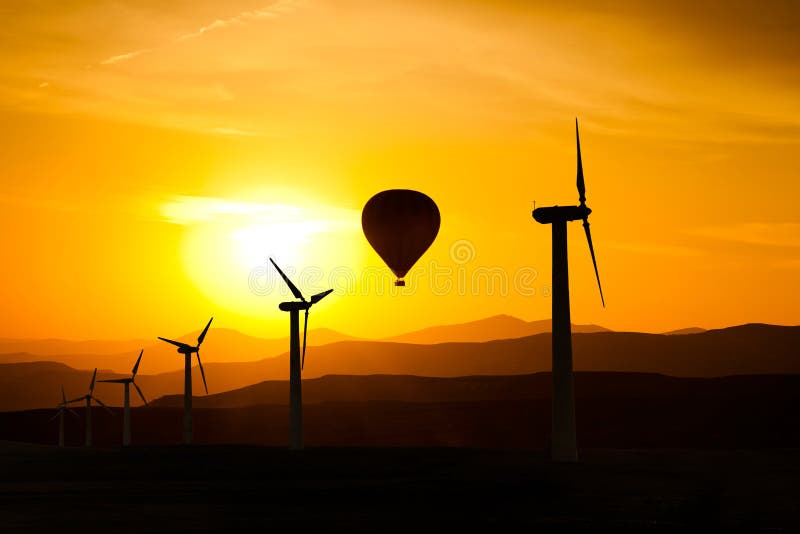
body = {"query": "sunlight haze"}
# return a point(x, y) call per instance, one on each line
point(156, 154)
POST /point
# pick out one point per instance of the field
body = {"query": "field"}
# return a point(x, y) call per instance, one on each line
point(407, 453)
point(215, 488)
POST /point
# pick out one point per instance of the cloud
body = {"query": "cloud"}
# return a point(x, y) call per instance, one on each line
point(765, 234)
point(655, 248)
point(238, 19)
point(185, 210)
point(213, 26)
point(790, 264)
point(274, 10)
point(124, 57)
point(188, 210)
point(234, 132)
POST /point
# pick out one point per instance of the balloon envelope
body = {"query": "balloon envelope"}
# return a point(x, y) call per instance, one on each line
point(400, 224)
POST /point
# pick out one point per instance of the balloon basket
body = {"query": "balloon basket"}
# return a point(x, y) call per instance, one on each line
point(400, 282)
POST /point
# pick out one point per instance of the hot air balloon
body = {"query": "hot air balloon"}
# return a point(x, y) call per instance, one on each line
point(400, 224)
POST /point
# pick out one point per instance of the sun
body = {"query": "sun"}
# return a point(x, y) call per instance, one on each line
point(227, 243)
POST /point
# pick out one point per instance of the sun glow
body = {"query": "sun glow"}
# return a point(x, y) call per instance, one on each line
point(228, 242)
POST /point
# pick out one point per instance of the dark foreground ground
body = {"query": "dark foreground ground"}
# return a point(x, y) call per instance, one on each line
point(207, 488)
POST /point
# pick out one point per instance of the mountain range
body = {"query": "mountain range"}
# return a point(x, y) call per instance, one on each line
point(613, 410)
point(746, 349)
point(228, 345)
point(221, 345)
point(488, 329)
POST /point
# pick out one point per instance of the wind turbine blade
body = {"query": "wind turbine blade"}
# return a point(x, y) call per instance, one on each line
point(292, 287)
point(581, 184)
point(140, 393)
point(203, 334)
point(58, 412)
point(63, 395)
point(98, 401)
point(319, 296)
point(139, 359)
point(594, 261)
point(78, 399)
point(305, 331)
point(176, 343)
point(202, 372)
point(91, 386)
point(73, 412)
point(116, 380)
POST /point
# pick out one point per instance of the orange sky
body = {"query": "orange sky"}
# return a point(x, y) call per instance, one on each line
point(153, 154)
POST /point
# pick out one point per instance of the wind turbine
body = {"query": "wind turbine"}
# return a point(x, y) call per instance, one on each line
point(126, 411)
point(564, 447)
point(62, 407)
point(296, 364)
point(89, 398)
point(187, 350)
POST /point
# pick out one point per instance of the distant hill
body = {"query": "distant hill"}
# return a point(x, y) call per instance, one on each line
point(56, 347)
point(746, 349)
point(228, 345)
point(488, 329)
point(613, 410)
point(479, 388)
point(221, 345)
point(685, 331)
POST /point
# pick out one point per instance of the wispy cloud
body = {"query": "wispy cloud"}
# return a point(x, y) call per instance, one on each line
point(213, 26)
point(234, 132)
point(655, 248)
point(124, 57)
point(790, 264)
point(267, 12)
point(768, 234)
point(188, 210)
point(278, 8)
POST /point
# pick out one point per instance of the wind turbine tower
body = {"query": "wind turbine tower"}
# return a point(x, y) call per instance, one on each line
point(564, 445)
point(187, 350)
point(62, 407)
point(296, 364)
point(126, 411)
point(89, 397)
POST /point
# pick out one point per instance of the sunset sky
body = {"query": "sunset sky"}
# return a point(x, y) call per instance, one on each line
point(155, 153)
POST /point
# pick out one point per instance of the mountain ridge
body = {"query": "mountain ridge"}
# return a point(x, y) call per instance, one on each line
point(741, 350)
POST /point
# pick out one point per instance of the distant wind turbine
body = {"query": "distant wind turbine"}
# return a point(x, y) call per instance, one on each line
point(126, 411)
point(564, 444)
point(89, 397)
point(61, 408)
point(296, 364)
point(187, 350)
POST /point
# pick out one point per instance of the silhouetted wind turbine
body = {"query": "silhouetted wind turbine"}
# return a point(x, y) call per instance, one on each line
point(564, 446)
point(62, 407)
point(296, 364)
point(187, 351)
point(89, 398)
point(126, 411)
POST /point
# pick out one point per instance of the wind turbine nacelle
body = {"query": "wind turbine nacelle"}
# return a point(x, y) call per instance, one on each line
point(187, 350)
point(553, 214)
point(294, 306)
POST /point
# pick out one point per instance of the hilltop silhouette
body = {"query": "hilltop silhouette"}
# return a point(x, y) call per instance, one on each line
point(685, 331)
point(488, 329)
point(746, 349)
point(480, 388)
point(227, 345)
point(618, 410)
